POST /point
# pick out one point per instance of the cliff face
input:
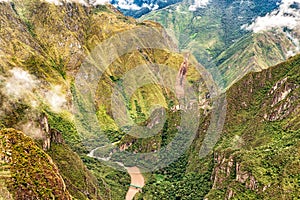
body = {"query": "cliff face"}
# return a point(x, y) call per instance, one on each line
point(258, 155)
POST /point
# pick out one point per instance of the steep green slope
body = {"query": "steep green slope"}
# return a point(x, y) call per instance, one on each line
point(252, 53)
point(212, 28)
point(214, 34)
point(30, 172)
point(85, 177)
point(42, 48)
point(258, 155)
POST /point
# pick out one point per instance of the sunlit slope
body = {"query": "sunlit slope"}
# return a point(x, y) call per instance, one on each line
point(215, 35)
point(31, 173)
point(42, 48)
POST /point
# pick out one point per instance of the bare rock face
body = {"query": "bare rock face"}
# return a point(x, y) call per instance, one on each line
point(281, 100)
point(227, 168)
point(267, 123)
point(223, 169)
point(245, 177)
point(56, 136)
point(51, 135)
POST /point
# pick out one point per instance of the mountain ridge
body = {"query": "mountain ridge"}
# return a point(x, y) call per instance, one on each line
point(44, 45)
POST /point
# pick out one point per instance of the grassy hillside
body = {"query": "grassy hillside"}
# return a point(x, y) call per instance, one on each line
point(43, 47)
point(30, 172)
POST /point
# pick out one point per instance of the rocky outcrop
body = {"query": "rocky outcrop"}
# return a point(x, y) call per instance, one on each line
point(5, 174)
point(260, 140)
point(223, 169)
point(228, 170)
point(281, 100)
point(51, 135)
point(245, 177)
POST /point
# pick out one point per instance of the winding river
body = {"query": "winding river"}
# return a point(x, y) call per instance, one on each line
point(137, 178)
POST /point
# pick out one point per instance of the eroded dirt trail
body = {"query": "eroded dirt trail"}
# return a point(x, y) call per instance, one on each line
point(137, 179)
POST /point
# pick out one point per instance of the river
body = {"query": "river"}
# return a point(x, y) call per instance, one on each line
point(137, 178)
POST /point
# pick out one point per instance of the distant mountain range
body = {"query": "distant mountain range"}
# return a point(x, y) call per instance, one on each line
point(234, 37)
point(137, 8)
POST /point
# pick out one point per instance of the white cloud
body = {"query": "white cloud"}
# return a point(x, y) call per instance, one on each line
point(150, 6)
point(20, 84)
point(32, 130)
point(55, 98)
point(284, 16)
point(123, 4)
point(24, 86)
point(127, 5)
point(198, 4)
point(100, 2)
point(56, 2)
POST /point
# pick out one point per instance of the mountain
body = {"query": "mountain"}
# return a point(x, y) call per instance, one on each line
point(26, 168)
point(258, 154)
point(232, 38)
point(138, 8)
point(105, 102)
point(44, 49)
point(42, 46)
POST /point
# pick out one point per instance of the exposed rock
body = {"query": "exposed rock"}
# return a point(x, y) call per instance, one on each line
point(223, 169)
point(51, 135)
point(230, 194)
point(226, 167)
point(282, 90)
point(245, 177)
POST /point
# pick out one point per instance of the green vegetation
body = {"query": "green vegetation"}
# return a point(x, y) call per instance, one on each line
point(256, 158)
point(214, 36)
point(175, 182)
point(33, 173)
point(263, 142)
point(87, 178)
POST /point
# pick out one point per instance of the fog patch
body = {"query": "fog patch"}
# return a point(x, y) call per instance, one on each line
point(56, 99)
point(32, 130)
point(20, 84)
point(198, 4)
